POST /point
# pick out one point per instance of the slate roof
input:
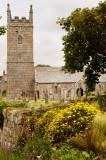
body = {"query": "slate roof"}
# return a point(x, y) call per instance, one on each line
point(55, 75)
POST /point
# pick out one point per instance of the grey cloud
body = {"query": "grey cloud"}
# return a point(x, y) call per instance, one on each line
point(47, 34)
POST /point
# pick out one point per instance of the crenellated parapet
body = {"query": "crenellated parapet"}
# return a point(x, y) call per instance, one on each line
point(19, 21)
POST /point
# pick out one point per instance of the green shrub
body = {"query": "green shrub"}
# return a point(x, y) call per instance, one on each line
point(68, 153)
point(102, 102)
point(5, 104)
point(35, 146)
point(22, 139)
point(18, 104)
point(59, 124)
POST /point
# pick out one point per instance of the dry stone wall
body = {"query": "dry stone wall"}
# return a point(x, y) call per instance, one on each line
point(13, 124)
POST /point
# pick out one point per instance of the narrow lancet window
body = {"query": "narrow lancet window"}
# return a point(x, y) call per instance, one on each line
point(19, 39)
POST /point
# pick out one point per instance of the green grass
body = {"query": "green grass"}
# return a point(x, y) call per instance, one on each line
point(41, 103)
point(100, 122)
point(4, 155)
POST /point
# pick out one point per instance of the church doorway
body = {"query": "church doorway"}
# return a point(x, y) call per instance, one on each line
point(37, 94)
point(79, 92)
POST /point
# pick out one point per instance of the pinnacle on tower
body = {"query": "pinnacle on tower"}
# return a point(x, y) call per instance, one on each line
point(31, 14)
point(8, 13)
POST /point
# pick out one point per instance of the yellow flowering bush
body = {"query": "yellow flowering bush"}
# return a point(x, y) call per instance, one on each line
point(45, 120)
point(68, 121)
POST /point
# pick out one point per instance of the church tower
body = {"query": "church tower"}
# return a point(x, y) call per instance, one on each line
point(20, 65)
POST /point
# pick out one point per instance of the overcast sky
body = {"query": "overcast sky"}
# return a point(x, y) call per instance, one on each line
point(47, 34)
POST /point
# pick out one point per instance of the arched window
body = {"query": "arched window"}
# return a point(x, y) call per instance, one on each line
point(19, 39)
point(56, 89)
point(79, 92)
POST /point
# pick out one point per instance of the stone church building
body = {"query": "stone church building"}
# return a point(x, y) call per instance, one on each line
point(25, 80)
point(56, 84)
point(60, 85)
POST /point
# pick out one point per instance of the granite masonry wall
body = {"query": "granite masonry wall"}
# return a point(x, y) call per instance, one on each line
point(12, 128)
point(20, 65)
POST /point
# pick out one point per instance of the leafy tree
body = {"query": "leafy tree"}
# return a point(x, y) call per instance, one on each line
point(85, 42)
point(2, 29)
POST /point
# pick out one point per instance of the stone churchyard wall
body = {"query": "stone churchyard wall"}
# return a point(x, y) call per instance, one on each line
point(12, 128)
